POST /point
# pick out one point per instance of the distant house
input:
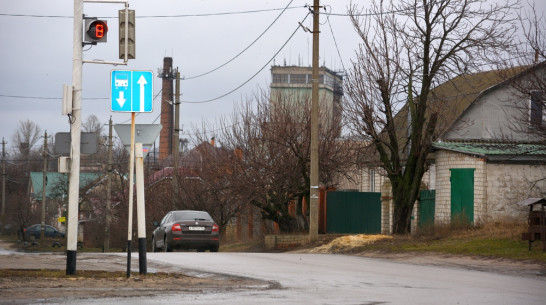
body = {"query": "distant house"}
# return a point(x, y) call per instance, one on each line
point(56, 192)
point(483, 160)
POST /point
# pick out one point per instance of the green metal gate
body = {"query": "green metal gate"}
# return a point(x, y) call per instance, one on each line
point(462, 194)
point(353, 213)
point(427, 208)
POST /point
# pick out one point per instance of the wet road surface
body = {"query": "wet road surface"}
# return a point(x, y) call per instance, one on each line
point(340, 279)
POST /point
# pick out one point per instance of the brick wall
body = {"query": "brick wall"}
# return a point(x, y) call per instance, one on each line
point(285, 241)
point(508, 184)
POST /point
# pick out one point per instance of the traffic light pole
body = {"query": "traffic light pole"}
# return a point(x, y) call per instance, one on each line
point(75, 134)
point(75, 130)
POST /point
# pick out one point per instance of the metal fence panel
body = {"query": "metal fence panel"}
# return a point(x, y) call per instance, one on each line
point(353, 213)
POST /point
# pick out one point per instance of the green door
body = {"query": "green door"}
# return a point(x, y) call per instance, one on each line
point(462, 194)
point(427, 208)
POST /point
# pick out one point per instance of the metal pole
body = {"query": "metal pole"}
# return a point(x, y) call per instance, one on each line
point(131, 177)
point(141, 209)
point(44, 186)
point(314, 191)
point(108, 191)
point(75, 134)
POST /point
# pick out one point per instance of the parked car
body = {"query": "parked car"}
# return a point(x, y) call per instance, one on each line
point(186, 230)
point(33, 232)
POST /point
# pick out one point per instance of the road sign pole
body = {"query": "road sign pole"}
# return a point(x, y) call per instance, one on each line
point(141, 208)
point(131, 174)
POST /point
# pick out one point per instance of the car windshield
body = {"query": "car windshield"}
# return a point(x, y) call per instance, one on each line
point(191, 215)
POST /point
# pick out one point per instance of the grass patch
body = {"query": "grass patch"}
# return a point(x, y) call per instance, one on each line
point(491, 248)
point(494, 239)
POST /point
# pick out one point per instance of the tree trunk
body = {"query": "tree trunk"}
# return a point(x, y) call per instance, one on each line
point(402, 217)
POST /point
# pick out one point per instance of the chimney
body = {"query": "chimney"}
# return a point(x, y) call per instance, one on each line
point(167, 109)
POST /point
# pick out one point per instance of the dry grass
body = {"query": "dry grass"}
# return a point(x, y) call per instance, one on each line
point(505, 228)
point(348, 243)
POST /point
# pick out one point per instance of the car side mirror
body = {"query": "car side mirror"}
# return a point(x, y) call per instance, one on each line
point(156, 223)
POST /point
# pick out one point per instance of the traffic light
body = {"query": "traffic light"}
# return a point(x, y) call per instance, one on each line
point(127, 37)
point(95, 31)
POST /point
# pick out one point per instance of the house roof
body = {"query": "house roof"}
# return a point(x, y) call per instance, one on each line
point(531, 201)
point(55, 182)
point(497, 152)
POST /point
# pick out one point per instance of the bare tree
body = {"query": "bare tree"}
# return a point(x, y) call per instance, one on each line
point(408, 47)
point(25, 136)
point(268, 164)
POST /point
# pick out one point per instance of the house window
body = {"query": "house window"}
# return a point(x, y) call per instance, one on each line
point(536, 108)
point(280, 78)
point(298, 78)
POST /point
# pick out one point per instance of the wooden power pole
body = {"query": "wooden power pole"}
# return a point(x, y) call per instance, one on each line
point(3, 186)
point(44, 186)
point(314, 191)
point(108, 191)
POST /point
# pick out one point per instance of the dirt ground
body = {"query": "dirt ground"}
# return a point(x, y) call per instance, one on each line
point(32, 288)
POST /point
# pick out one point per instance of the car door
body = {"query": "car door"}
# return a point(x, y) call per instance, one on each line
point(49, 231)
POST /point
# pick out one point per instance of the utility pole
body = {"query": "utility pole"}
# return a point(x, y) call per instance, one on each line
point(108, 191)
point(176, 139)
point(314, 191)
point(44, 187)
point(75, 135)
point(3, 185)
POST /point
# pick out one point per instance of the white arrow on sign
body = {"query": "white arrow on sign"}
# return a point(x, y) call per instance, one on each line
point(142, 82)
point(121, 100)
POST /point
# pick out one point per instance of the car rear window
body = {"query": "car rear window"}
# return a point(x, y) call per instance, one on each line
point(193, 215)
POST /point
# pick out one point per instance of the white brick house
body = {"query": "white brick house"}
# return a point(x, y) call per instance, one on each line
point(481, 166)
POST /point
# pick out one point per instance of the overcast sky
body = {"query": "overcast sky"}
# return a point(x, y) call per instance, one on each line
point(36, 54)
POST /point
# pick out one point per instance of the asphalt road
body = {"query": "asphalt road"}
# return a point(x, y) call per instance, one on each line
point(340, 279)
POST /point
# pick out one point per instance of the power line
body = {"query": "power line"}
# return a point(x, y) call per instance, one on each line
point(248, 80)
point(162, 16)
point(251, 44)
point(335, 42)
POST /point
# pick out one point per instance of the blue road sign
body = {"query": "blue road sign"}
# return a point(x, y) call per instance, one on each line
point(132, 91)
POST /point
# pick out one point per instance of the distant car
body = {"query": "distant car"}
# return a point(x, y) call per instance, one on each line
point(33, 232)
point(186, 230)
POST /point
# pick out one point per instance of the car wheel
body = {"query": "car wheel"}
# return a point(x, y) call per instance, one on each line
point(214, 249)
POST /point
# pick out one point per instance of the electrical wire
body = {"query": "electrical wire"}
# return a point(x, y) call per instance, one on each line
point(335, 42)
point(244, 50)
point(161, 16)
point(252, 77)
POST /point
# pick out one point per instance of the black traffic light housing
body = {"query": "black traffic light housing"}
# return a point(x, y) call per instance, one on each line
point(95, 31)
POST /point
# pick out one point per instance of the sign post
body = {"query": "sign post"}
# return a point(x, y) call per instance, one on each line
point(132, 91)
